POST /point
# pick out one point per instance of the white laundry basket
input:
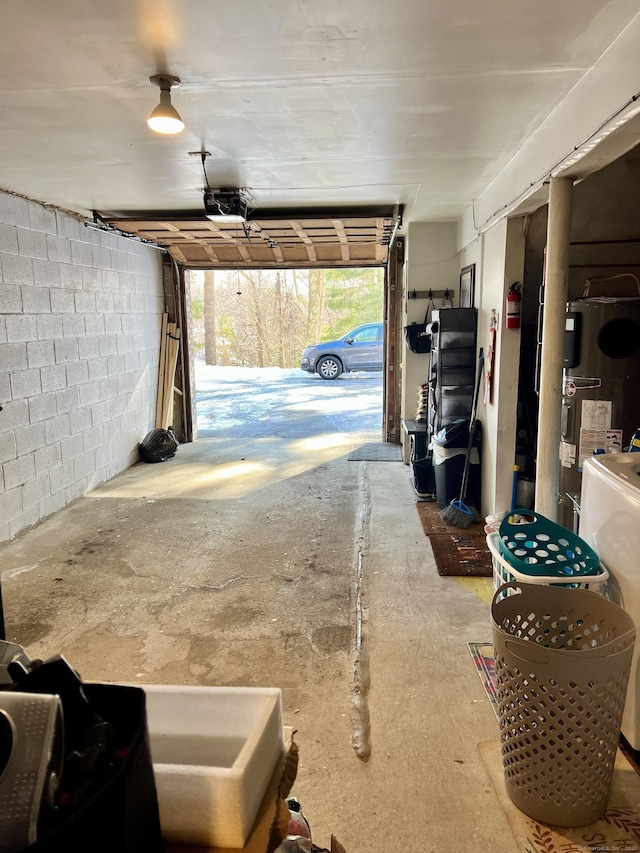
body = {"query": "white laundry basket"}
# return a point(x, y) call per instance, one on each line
point(504, 572)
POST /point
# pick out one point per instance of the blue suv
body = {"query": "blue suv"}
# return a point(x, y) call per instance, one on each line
point(359, 349)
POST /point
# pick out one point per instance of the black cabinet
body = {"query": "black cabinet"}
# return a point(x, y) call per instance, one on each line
point(451, 380)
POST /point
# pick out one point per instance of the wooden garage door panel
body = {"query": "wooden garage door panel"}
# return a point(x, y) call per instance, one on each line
point(304, 241)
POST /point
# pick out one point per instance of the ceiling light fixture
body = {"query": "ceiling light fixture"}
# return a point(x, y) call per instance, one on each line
point(165, 118)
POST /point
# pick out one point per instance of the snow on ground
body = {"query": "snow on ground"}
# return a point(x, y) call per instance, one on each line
point(257, 402)
point(214, 373)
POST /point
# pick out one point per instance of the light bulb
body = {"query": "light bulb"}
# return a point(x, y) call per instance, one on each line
point(165, 118)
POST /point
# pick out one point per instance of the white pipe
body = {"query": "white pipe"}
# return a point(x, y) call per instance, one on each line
point(556, 286)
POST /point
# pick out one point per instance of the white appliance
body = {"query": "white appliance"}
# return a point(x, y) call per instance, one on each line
point(610, 524)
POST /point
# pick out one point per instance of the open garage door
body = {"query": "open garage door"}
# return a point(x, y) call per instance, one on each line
point(304, 238)
point(278, 239)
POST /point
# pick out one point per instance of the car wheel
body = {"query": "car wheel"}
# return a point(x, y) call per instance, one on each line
point(329, 367)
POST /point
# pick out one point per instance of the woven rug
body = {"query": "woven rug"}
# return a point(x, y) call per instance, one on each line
point(618, 828)
point(462, 554)
point(376, 451)
point(482, 655)
point(458, 553)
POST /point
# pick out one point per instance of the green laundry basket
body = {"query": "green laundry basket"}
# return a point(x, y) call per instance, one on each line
point(562, 662)
point(535, 545)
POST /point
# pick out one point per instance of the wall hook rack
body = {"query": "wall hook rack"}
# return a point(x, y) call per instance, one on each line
point(429, 294)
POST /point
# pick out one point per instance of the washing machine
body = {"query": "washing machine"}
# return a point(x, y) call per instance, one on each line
point(610, 524)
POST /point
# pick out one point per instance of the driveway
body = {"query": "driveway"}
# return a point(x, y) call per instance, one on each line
point(261, 402)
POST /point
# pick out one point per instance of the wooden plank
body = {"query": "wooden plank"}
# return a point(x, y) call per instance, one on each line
point(382, 253)
point(209, 228)
point(326, 240)
point(173, 342)
point(210, 252)
point(177, 253)
point(163, 344)
point(268, 238)
point(311, 249)
point(165, 371)
point(393, 344)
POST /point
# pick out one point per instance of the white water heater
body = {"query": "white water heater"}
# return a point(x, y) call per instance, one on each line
point(610, 524)
point(600, 399)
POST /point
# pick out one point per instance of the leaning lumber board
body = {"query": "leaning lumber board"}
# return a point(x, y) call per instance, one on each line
point(173, 344)
point(161, 370)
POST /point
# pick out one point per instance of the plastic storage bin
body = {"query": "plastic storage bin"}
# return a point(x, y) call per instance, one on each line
point(504, 572)
point(214, 751)
point(562, 659)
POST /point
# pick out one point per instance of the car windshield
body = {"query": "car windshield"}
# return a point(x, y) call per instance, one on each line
point(366, 333)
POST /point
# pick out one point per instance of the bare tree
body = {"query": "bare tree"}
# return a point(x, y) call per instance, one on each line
point(315, 309)
point(210, 349)
point(257, 319)
point(280, 321)
point(264, 318)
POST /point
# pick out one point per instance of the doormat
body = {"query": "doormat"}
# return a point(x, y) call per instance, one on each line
point(462, 554)
point(483, 657)
point(429, 515)
point(617, 829)
point(376, 451)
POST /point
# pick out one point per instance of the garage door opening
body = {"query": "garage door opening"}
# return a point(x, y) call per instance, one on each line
point(250, 330)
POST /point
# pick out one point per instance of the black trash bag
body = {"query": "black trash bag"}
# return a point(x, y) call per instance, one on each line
point(158, 446)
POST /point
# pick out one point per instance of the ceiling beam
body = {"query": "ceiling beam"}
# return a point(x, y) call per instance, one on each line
point(338, 224)
point(302, 234)
point(176, 253)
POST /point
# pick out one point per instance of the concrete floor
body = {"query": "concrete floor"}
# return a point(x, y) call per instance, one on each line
point(280, 563)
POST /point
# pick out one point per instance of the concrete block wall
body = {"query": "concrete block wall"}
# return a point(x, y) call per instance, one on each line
point(80, 322)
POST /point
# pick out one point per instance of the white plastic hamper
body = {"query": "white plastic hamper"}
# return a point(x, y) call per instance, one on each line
point(562, 660)
point(504, 572)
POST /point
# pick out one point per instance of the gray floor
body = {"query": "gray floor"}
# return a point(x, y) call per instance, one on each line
point(279, 562)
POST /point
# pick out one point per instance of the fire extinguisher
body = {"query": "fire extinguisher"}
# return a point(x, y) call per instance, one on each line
point(514, 305)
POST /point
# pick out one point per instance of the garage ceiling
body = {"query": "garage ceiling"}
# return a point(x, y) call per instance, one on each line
point(306, 105)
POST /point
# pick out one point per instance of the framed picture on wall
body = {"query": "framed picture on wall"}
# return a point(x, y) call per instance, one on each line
point(467, 286)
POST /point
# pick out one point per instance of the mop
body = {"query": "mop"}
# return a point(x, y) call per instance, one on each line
point(459, 513)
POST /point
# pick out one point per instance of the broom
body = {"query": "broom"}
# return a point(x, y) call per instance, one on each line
point(458, 513)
